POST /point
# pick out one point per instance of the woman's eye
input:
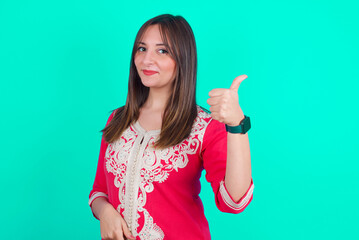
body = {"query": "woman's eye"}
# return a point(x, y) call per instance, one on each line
point(164, 51)
point(141, 49)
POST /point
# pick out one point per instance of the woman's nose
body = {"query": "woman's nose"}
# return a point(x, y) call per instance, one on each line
point(148, 58)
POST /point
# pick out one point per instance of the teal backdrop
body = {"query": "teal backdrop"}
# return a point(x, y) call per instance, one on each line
point(64, 66)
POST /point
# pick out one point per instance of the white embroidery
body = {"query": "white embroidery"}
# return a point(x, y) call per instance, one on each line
point(137, 165)
point(150, 230)
point(228, 200)
point(116, 157)
point(96, 195)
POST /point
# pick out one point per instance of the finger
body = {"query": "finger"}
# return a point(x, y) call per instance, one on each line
point(215, 109)
point(126, 231)
point(128, 235)
point(214, 100)
point(216, 92)
point(237, 81)
point(118, 235)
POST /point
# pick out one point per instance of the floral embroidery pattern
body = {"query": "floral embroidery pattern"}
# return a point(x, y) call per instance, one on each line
point(155, 166)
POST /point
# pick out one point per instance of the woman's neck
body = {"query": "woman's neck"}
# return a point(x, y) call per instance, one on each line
point(151, 113)
point(157, 100)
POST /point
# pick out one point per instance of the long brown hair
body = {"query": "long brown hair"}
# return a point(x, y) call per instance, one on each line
point(181, 108)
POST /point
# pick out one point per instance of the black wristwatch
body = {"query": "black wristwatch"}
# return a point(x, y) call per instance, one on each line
point(242, 128)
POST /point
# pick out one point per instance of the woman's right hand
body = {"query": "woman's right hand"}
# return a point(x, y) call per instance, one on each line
point(113, 226)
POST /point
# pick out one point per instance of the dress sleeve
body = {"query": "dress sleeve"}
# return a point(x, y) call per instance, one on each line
point(214, 155)
point(99, 188)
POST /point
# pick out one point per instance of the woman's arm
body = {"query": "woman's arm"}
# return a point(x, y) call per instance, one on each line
point(225, 108)
point(100, 206)
point(238, 170)
point(113, 226)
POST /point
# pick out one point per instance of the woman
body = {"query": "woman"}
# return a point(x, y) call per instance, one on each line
point(154, 148)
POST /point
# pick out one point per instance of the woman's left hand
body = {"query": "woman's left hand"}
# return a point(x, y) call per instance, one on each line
point(224, 103)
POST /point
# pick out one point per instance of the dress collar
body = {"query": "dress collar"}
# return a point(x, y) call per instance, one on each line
point(140, 129)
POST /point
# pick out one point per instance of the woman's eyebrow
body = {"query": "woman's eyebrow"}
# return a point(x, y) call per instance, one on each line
point(158, 44)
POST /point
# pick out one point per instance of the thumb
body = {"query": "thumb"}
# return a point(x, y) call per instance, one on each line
point(237, 81)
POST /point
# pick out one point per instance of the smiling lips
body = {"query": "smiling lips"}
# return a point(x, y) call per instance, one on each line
point(149, 72)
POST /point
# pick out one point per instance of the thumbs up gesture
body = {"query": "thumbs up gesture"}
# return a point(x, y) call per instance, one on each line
point(224, 104)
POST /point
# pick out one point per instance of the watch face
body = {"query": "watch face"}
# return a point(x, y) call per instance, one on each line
point(246, 124)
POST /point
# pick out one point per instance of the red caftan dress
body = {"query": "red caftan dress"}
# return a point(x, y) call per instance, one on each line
point(156, 191)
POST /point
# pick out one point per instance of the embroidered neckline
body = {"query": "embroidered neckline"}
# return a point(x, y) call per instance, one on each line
point(140, 129)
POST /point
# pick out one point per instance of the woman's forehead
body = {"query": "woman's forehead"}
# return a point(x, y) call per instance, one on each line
point(152, 35)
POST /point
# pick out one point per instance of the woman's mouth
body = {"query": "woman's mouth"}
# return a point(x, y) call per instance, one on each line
point(149, 72)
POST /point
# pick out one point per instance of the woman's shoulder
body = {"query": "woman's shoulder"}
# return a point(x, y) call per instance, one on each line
point(204, 125)
point(116, 111)
point(203, 114)
point(113, 113)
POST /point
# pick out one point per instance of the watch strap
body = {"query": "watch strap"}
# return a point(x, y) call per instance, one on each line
point(242, 128)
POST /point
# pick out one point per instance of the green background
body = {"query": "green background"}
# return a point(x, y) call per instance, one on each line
point(64, 66)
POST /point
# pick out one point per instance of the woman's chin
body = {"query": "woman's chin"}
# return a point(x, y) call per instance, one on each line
point(148, 84)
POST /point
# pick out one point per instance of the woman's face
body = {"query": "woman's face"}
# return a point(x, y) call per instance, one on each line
point(154, 64)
